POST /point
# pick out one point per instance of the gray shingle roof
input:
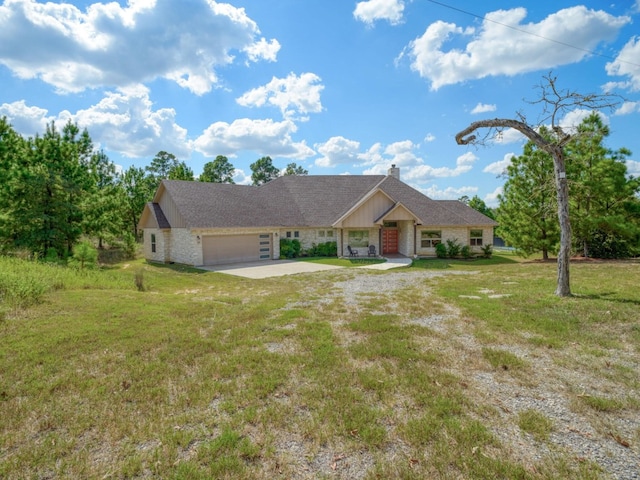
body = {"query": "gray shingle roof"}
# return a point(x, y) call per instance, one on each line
point(299, 201)
point(159, 216)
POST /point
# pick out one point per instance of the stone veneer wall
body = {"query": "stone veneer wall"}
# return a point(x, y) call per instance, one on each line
point(160, 254)
point(405, 238)
point(184, 247)
point(374, 239)
point(459, 234)
point(309, 236)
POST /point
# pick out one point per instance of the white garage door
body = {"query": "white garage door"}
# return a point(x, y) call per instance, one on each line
point(217, 250)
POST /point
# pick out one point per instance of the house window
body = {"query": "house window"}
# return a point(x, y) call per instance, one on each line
point(390, 224)
point(330, 233)
point(430, 238)
point(153, 243)
point(296, 234)
point(359, 238)
point(321, 233)
point(288, 234)
point(475, 238)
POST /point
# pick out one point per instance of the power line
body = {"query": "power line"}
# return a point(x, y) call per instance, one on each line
point(533, 34)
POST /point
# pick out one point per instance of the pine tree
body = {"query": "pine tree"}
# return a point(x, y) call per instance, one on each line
point(527, 210)
point(219, 170)
point(600, 192)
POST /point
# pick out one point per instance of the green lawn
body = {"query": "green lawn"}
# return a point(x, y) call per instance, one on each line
point(342, 262)
point(144, 370)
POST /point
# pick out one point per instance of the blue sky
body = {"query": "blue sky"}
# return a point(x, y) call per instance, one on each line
point(337, 86)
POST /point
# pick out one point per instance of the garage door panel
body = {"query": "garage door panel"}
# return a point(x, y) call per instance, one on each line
point(217, 250)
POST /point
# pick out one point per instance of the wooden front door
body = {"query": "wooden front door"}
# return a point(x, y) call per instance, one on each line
point(389, 240)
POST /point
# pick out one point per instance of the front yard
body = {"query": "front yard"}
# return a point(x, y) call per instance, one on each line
point(443, 370)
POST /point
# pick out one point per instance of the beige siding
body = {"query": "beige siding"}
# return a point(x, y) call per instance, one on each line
point(399, 213)
point(366, 214)
point(171, 212)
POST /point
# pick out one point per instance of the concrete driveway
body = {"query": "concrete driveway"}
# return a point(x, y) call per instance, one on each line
point(278, 268)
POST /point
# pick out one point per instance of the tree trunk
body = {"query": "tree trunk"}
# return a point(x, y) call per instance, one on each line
point(556, 150)
point(563, 288)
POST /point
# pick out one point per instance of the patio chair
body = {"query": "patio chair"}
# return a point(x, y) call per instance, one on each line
point(352, 252)
point(372, 251)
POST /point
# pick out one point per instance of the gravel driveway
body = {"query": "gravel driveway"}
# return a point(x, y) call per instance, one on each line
point(551, 388)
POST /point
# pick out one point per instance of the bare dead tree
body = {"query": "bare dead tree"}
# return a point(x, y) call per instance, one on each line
point(556, 103)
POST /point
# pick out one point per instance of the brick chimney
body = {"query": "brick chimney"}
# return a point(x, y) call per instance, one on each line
point(394, 172)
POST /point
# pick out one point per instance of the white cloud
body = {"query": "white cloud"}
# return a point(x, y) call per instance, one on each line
point(510, 135)
point(26, 120)
point(241, 178)
point(371, 10)
point(571, 120)
point(448, 193)
point(498, 168)
point(126, 122)
point(496, 50)
point(424, 173)
point(483, 108)
point(633, 168)
point(336, 151)
point(111, 45)
point(401, 153)
point(264, 137)
point(628, 107)
point(123, 122)
point(292, 95)
point(491, 199)
point(626, 64)
point(429, 138)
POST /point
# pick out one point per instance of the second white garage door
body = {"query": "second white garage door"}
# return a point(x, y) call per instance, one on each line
point(218, 250)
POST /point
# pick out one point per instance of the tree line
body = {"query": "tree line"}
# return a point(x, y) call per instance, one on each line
point(56, 188)
point(604, 200)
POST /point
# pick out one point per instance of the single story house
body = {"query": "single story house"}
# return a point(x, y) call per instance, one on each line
point(199, 223)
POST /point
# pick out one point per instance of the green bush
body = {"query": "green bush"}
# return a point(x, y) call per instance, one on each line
point(129, 245)
point(326, 249)
point(441, 250)
point(487, 250)
point(466, 252)
point(453, 248)
point(289, 248)
point(85, 255)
